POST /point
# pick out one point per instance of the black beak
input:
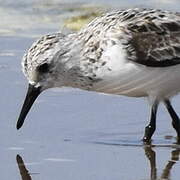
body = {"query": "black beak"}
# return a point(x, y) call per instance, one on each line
point(32, 94)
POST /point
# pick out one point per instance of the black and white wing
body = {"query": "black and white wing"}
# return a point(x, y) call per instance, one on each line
point(155, 39)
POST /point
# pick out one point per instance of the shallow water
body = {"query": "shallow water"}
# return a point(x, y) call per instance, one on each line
point(71, 134)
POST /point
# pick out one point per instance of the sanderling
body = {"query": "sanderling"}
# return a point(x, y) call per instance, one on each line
point(134, 52)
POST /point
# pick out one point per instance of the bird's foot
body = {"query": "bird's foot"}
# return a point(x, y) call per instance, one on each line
point(177, 128)
point(178, 140)
point(149, 130)
point(146, 140)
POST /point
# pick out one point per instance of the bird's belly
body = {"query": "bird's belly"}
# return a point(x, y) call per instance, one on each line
point(138, 80)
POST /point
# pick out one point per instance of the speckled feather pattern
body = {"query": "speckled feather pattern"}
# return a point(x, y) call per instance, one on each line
point(147, 35)
point(33, 58)
point(127, 52)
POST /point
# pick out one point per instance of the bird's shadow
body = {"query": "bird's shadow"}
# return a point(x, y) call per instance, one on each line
point(150, 154)
point(25, 175)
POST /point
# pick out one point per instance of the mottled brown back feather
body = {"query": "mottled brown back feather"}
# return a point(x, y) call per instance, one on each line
point(156, 39)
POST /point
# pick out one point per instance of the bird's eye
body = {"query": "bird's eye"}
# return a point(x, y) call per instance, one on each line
point(43, 68)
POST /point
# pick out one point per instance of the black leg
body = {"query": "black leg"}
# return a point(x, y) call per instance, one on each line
point(174, 116)
point(151, 127)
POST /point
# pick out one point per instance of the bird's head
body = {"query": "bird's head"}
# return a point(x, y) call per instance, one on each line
point(41, 67)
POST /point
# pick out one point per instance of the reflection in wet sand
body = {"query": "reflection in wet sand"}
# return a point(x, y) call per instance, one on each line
point(151, 155)
point(22, 168)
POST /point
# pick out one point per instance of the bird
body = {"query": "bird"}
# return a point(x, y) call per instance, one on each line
point(132, 52)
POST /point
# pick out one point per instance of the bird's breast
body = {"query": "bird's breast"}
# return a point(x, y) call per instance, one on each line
point(136, 80)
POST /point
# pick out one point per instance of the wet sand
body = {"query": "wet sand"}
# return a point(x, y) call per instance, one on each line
point(72, 134)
